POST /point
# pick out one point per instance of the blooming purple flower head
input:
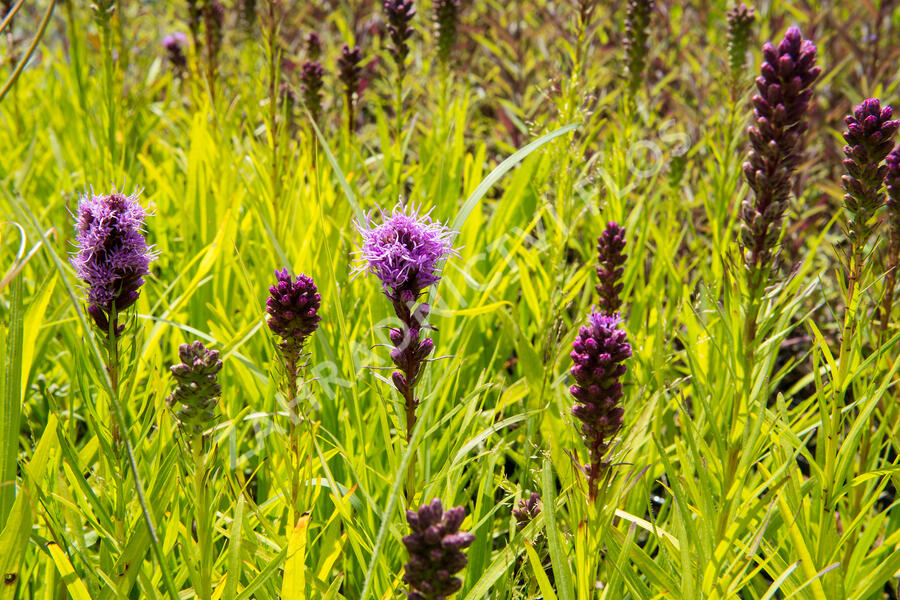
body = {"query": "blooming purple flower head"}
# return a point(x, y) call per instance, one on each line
point(313, 44)
point(435, 551)
point(599, 353)
point(404, 251)
point(113, 255)
point(293, 307)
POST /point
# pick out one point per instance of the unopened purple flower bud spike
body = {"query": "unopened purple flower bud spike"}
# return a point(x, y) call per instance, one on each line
point(195, 395)
point(610, 260)
point(599, 353)
point(784, 92)
point(435, 549)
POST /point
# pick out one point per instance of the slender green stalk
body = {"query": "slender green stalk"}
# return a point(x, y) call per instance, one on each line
point(204, 526)
point(10, 402)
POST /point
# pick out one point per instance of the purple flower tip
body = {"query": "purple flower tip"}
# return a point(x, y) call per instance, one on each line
point(293, 306)
point(404, 250)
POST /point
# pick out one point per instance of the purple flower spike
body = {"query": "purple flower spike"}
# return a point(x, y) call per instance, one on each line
point(311, 75)
point(870, 138)
point(194, 397)
point(528, 510)
point(113, 256)
point(784, 91)
point(313, 45)
point(610, 258)
point(293, 307)
point(350, 74)
point(399, 15)
point(892, 178)
point(892, 206)
point(435, 551)
point(599, 353)
point(404, 251)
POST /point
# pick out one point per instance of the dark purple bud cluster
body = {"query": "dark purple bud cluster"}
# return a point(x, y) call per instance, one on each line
point(311, 76)
point(599, 353)
point(892, 216)
point(870, 138)
point(435, 549)
point(445, 17)
point(740, 20)
point(528, 509)
point(293, 307)
point(399, 15)
point(784, 87)
point(637, 39)
point(112, 257)
point(349, 72)
point(174, 44)
point(610, 261)
point(197, 387)
point(313, 45)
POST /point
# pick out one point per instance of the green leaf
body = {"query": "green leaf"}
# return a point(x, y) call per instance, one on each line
point(561, 571)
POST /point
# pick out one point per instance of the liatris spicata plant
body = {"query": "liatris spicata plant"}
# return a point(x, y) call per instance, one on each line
point(445, 17)
point(197, 388)
point(870, 138)
point(599, 353)
point(399, 15)
point(892, 216)
point(174, 44)
point(293, 307)
point(349, 70)
point(311, 75)
point(610, 261)
point(404, 252)
point(528, 509)
point(784, 86)
point(113, 256)
point(293, 315)
point(637, 39)
point(740, 20)
point(193, 401)
point(435, 549)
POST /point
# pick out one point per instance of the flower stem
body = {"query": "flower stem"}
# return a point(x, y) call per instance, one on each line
point(204, 545)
